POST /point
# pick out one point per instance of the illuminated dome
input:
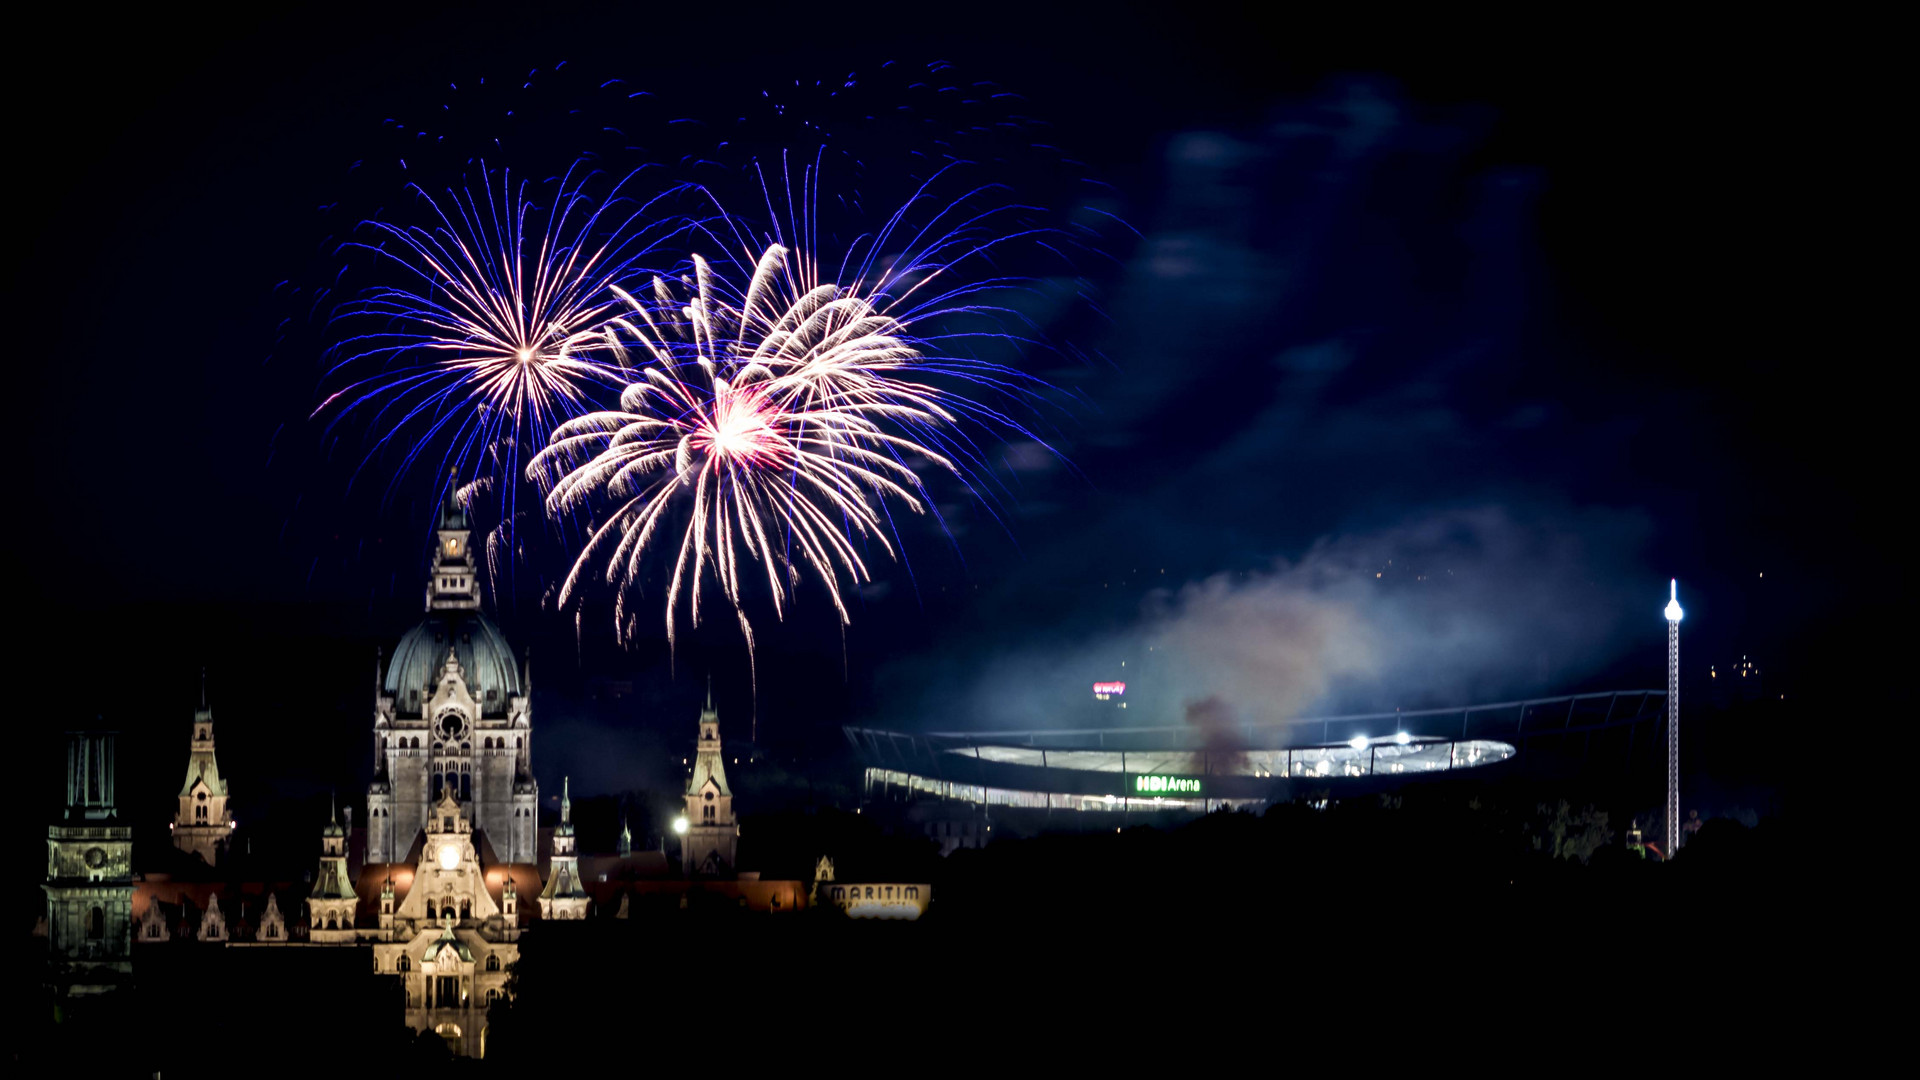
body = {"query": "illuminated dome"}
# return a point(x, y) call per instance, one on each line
point(485, 659)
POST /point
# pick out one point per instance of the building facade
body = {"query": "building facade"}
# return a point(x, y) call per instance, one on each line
point(452, 717)
point(450, 877)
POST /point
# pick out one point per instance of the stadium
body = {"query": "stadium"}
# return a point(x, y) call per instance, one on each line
point(1248, 766)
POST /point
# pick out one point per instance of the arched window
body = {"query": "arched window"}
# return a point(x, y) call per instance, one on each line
point(333, 922)
point(96, 923)
point(153, 929)
point(273, 931)
point(466, 909)
point(416, 742)
point(466, 748)
point(493, 961)
point(403, 965)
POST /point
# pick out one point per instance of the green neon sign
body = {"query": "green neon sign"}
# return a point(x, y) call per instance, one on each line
point(1165, 785)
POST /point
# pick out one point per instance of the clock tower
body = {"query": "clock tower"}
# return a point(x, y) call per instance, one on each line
point(453, 585)
point(89, 883)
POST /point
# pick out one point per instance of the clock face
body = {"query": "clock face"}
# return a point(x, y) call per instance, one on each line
point(96, 858)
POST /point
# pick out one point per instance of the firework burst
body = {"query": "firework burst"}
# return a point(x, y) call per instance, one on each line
point(774, 418)
point(488, 339)
point(778, 410)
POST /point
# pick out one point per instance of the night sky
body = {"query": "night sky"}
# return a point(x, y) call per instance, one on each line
point(1513, 316)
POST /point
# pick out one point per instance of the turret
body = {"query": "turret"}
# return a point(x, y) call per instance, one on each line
point(332, 902)
point(386, 903)
point(564, 897)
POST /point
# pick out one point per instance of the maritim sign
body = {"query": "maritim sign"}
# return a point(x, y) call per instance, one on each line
point(879, 901)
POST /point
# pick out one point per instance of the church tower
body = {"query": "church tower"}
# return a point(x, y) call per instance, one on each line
point(202, 826)
point(564, 898)
point(707, 848)
point(452, 716)
point(89, 883)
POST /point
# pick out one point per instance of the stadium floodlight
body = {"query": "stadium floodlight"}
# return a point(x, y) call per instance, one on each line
point(1402, 738)
point(1358, 742)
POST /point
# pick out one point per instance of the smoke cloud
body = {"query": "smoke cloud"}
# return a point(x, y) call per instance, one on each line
point(1457, 606)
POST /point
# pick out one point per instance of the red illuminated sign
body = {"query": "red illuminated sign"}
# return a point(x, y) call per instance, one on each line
point(1109, 688)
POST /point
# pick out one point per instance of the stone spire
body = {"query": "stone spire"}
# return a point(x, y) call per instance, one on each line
point(201, 824)
point(563, 897)
point(626, 837)
point(708, 845)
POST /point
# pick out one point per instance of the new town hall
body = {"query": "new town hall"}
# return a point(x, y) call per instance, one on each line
point(453, 871)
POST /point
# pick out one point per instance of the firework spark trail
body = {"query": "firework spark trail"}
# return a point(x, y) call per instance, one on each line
point(490, 340)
